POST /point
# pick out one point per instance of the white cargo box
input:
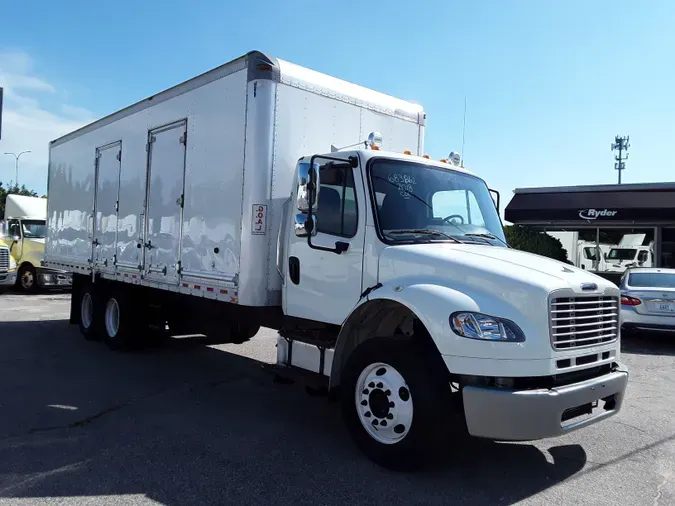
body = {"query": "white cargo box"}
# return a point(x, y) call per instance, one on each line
point(184, 190)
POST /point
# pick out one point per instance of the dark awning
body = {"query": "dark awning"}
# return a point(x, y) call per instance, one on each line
point(648, 203)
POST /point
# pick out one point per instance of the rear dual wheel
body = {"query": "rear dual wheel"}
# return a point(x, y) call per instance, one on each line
point(118, 322)
point(110, 317)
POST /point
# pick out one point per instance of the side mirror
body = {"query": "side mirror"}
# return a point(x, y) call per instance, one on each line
point(303, 226)
point(308, 187)
point(16, 238)
point(495, 198)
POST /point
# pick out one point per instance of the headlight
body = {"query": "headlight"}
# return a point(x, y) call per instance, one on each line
point(12, 262)
point(486, 328)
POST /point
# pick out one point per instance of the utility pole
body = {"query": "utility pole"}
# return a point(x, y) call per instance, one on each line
point(16, 164)
point(620, 144)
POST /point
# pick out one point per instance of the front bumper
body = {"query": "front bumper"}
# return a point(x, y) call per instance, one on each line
point(526, 415)
point(7, 279)
point(52, 277)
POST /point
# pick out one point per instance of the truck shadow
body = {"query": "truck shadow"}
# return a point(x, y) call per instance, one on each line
point(648, 343)
point(192, 424)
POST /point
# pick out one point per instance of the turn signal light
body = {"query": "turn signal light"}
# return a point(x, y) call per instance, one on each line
point(630, 301)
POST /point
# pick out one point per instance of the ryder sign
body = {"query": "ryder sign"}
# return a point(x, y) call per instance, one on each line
point(592, 214)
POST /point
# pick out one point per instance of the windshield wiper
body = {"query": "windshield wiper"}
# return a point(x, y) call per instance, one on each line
point(489, 236)
point(422, 231)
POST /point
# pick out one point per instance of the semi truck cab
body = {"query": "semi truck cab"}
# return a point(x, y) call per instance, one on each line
point(24, 229)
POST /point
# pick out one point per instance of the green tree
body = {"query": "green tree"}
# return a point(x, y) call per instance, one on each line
point(13, 189)
point(532, 241)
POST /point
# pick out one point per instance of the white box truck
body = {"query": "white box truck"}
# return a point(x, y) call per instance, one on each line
point(586, 255)
point(260, 194)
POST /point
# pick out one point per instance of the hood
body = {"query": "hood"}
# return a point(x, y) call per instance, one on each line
point(494, 280)
point(485, 267)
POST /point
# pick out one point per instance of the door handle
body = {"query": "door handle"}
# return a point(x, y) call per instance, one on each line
point(294, 269)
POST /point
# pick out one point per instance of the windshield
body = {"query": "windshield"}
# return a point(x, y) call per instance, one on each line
point(651, 280)
point(34, 229)
point(591, 253)
point(415, 197)
point(621, 254)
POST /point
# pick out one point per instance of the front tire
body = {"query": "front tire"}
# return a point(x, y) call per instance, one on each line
point(395, 404)
point(27, 279)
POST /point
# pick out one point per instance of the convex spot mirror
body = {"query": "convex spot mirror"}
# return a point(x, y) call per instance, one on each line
point(308, 187)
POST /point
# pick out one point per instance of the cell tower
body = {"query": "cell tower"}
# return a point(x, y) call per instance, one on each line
point(620, 144)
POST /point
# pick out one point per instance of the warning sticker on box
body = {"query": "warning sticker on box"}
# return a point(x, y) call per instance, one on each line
point(259, 221)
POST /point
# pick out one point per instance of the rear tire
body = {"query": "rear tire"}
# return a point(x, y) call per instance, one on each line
point(119, 322)
point(392, 383)
point(90, 314)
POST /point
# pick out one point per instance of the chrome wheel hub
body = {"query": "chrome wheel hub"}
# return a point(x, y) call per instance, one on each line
point(112, 317)
point(86, 310)
point(384, 403)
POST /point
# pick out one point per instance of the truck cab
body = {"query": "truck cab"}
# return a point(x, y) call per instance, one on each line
point(24, 230)
point(407, 258)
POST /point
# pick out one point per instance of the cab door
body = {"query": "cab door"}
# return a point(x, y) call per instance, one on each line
point(323, 275)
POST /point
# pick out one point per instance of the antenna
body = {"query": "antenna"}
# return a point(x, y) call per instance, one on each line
point(461, 162)
point(621, 144)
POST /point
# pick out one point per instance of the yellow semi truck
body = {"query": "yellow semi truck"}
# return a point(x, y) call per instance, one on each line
point(23, 231)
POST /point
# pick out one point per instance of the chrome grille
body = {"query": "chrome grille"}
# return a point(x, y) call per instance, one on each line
point(579, 322)
point(4, 259)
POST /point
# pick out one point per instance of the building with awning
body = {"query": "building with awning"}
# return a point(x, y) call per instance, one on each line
point(630, 224)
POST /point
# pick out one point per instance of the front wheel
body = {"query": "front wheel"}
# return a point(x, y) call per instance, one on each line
point(395, 405)
point(27, 279)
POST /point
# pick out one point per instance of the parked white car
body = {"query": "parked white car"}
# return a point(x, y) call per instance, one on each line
point(648, 299)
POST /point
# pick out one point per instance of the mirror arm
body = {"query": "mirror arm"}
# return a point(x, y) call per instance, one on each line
point(353, 162)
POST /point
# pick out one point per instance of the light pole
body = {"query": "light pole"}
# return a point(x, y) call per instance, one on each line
point(16, 160)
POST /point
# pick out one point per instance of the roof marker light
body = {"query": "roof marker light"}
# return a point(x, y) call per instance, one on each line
point(406, 152)
point(425, 156)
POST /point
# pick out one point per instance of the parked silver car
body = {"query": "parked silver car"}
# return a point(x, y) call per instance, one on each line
point(648, 299)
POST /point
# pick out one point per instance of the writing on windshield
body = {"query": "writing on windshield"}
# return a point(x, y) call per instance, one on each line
point(424, 198)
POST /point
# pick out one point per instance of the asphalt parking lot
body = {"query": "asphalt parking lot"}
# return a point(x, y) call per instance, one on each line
point(192, 424)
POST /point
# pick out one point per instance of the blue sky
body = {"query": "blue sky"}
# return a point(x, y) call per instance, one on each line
point(548, 83)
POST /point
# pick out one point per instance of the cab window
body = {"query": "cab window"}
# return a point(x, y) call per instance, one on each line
point(337, 213)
